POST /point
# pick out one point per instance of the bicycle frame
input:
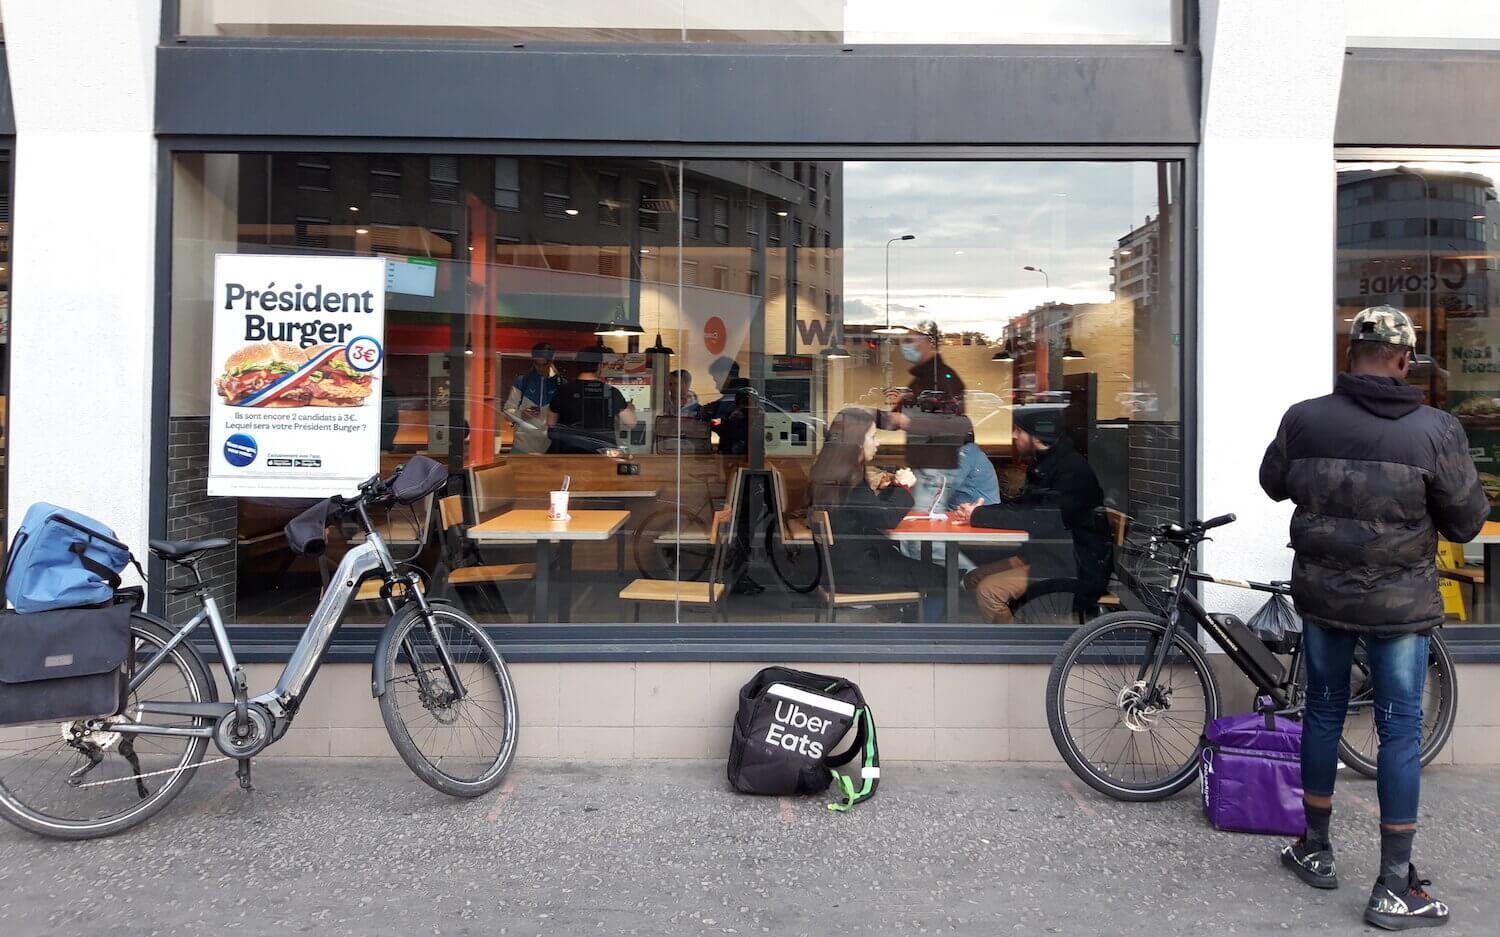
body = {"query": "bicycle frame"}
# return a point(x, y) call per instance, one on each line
point(282, 701)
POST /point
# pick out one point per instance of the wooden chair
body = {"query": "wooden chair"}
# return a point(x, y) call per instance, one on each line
point(708, 594)
point(1451, 565)
point(793, 529)
point(492, 488)
point(462, 567)
point(1119, 524)
point(833, 599)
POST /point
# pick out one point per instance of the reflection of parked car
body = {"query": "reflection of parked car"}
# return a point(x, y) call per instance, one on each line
point(977, 403)
point(896, 397)
point(938, 401)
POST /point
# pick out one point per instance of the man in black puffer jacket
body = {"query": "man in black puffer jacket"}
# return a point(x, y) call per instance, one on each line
point(1376, 477)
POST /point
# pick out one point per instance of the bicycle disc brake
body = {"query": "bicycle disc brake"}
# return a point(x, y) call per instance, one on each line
point(1138, 709)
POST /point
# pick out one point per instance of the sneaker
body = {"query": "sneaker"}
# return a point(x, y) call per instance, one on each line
point(1405, 906)
point(1315, 867)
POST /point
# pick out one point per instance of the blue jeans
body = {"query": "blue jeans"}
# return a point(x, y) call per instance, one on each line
point(1398, 669)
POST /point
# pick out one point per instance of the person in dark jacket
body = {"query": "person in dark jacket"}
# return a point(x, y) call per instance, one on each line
point(1376, 478)
point(863, 506)
point(1055, 506)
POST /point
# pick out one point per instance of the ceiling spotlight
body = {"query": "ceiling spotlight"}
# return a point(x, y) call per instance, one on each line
point(834, 353)
point(570, 211)
point(361, 230)
point(1069, 352)
point(781, 214)
point(354, 208)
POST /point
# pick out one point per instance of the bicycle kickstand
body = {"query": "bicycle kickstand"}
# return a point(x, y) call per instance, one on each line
point(243, 773)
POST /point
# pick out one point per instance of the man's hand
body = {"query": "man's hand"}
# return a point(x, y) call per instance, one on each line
point(964, 512)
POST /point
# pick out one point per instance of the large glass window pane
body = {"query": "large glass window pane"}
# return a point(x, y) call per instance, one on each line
point(1424, 236)
point(705, 397)
point(1442, 24)
point(769, 21)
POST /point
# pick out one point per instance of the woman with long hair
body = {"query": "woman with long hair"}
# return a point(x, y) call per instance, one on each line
point(863, 506)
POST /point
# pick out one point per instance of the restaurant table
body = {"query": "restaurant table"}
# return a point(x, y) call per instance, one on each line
point(1489, 536)
point(927, 531)
point(533, 524)
point(615, 495)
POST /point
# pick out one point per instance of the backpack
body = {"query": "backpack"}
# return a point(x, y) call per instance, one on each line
point(62, 559)
point(785, 731)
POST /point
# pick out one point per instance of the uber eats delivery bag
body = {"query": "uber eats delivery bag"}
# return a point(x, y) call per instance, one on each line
point(61, 559)
point(64, 664)
point(785, 731)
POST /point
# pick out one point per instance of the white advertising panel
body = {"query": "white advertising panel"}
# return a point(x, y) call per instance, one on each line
point(298, 344)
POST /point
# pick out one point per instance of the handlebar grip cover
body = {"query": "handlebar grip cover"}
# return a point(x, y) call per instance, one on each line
point(1219, 521)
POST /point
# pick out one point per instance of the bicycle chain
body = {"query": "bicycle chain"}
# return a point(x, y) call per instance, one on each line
point(149, 774)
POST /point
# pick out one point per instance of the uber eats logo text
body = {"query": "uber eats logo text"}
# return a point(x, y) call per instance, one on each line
point(791, 727)
point(297, 299)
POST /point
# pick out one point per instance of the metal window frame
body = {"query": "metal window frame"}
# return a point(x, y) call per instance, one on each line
point(689, 641)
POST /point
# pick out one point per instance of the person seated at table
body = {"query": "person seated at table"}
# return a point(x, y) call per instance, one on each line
point(862, 508)
point(974, 480)
point(585, 413)
point(1055, 507)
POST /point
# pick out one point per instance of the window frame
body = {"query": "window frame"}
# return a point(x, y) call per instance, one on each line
point(623, 640)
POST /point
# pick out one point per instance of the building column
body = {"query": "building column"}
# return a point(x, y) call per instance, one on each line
point(1266, 220)
point(82, 78)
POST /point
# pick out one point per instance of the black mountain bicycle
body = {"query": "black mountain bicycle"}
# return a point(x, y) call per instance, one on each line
point(445, 693)
point(1131, 693)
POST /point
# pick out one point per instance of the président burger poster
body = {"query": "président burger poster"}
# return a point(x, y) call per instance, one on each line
point(298, 345)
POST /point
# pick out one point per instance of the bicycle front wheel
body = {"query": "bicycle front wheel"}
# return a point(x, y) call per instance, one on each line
point(66, 781)
point(1360, 746)
point(797, 564)
point(461, 743)
point(1124, 737)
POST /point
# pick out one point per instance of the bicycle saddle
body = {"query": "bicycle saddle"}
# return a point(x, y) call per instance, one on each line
point(180, 550)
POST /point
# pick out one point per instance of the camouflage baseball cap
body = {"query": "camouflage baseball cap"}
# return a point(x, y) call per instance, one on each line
point(1385, 324)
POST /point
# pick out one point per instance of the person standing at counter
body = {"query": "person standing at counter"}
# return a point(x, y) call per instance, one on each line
point(530, 397)
point(586, 412)
point(862, 508)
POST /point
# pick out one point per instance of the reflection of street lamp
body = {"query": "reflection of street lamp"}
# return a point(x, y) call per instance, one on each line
point(1046, 280)
point(889, 329)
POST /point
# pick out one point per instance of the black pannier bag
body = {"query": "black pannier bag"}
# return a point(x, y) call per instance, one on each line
point(64, 664)
point(785, 731)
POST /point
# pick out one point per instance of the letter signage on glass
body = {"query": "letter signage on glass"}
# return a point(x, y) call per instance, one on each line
point(294, 404)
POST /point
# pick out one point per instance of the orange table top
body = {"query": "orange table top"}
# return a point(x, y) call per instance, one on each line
point(1490, 533)
point(918, 528)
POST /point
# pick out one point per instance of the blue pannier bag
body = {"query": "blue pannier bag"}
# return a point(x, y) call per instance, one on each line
point(62, 559)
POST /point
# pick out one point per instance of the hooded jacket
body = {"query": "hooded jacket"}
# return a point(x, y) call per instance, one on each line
point(1376, 477)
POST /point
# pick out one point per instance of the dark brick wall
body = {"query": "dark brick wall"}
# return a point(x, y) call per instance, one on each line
point(192, 514)
point(1156, 469)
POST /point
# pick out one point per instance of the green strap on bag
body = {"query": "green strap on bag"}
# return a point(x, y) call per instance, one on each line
point(869, 769)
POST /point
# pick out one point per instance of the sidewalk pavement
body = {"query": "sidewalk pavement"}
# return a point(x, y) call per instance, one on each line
point(363, 848)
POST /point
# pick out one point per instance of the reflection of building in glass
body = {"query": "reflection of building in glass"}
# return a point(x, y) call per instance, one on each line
point(1419, 240)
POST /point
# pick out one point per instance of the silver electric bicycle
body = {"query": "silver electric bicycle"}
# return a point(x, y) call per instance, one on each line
point(444, 694)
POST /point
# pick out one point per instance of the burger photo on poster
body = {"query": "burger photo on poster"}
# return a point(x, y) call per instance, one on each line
point(282, 368)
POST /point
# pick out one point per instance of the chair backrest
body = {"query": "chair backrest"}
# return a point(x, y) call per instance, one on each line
point(492, 487)
point(451, 512)
point(1119, 524)
point(779, 503)
point(423, 521)
point(822, 534)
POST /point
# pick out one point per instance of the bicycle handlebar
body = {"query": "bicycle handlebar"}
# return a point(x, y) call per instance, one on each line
point(1213, 522)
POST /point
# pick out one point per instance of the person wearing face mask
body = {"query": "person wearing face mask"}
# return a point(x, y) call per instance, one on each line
point(933, 437)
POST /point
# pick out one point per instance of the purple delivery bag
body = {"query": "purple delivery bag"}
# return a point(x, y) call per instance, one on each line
point(1252, 774)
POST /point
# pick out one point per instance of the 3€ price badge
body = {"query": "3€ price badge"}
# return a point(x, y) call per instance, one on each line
point(294, 405)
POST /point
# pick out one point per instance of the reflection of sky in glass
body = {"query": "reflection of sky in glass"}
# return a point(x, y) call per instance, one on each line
point(977, 225)
point(1442, 24)
point(981, 21)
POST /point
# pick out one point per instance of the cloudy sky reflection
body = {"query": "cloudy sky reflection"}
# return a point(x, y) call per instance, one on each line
point(977, 225)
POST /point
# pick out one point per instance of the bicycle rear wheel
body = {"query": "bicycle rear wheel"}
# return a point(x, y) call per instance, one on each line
point(460, 745)
point(672, 544)
point(1122, 738)
point(47, 786)
point(797, 564)
point(1360, 745)
point(1052, 602)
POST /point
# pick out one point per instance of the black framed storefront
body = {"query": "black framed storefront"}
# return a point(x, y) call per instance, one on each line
point(817, 103)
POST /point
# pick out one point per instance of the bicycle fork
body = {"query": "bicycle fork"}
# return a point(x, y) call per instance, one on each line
point(445, 657)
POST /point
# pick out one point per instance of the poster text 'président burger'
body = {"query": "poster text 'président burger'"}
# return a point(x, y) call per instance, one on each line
point(297, 299)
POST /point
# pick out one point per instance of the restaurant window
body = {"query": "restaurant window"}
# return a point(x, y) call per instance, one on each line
point(674, 383)
point(1419, 235)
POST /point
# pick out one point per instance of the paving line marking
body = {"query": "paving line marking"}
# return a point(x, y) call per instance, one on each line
point(506, 789)
point(784, 810)
point(1078, 799)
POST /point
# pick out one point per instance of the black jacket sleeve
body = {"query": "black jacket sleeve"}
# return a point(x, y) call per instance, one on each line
point(1456, 500)
point(1273, 466)
point(869, 512)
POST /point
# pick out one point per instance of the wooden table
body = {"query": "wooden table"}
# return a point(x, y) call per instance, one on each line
point(1489, 536)
point(533, 524)
point(620, 495)
point(926, 531)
